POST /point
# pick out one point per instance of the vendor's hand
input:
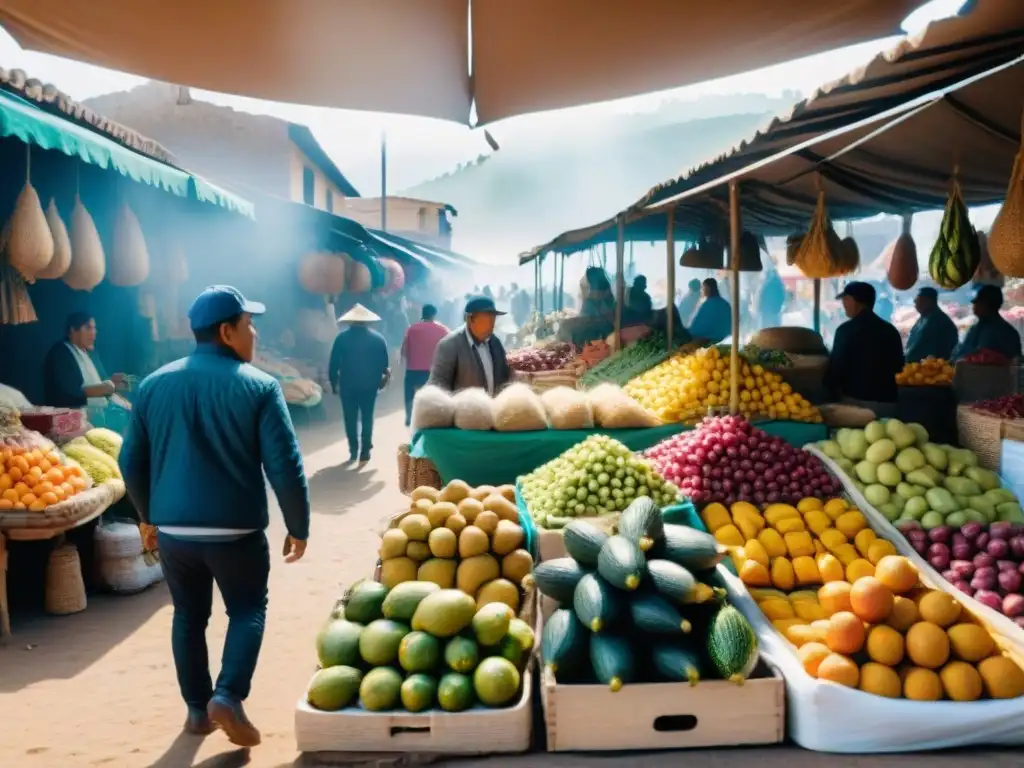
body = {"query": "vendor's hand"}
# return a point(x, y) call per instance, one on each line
point(294, 549)
point(118, 379)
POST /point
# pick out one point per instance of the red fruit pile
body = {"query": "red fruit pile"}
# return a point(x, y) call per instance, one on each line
point(726, 459)
point(1008, 407)
point(987, 357)
point(550, 358)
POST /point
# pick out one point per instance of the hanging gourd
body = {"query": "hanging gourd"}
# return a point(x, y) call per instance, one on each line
point(1006, 238)
point(359, 278)
point(61, 245)
point(15, 304)
point(29, 241)
point(394, 279)
point(957, 253)
point(88, 262)
point(900, 256)
point(322, 274)
point(821, 253)
point(129, 258)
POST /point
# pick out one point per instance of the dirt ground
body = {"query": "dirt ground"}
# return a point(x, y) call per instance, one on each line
point(98, 688)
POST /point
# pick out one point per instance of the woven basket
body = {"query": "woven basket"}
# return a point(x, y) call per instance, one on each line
point(838, 415)
point(983, 382)
point(981, 433)
point(1014, 430)
point(423, 472)
point(807, 376)
point(63, 515)
point(65, 588)
point(403, 469)
point(1006, 237)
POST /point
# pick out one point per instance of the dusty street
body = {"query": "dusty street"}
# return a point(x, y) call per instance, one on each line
point(98, 688)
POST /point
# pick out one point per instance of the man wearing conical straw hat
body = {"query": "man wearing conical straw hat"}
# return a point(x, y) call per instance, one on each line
point(358, 370)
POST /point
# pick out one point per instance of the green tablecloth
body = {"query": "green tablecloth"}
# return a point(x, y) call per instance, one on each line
point(497, 458)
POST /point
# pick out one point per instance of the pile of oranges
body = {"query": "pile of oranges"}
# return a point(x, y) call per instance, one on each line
point(930, 372)
point(34, 479)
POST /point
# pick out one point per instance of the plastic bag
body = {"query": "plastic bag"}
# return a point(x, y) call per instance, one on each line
point(828, 717)
point(517, 408)
point(614, 409)
point(473, 410)
point(432, 408)
point(567, 408)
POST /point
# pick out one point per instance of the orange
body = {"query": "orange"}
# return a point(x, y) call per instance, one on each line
point(885, 645)
point(6, 482)
point(927, 645)
point(59, 493)
point(49, 498)
point(835, 597)
point(44, 465)
point(69, 490)
point(55, 476)
point(21, 489)
point(6, 504)
point(20, 463)
point(72, 470)
point(15, 473)
point(904, 614)
point(33, 457)
point(43, 487)
point(871, 600)
point(35, 473)
point(897, 573)
point(11, 495)
point(839, 669)
point(845, 633)
point(36, 506)
point(880, 680)
point(19, 505)
point(28, 498)
point(939, 608)
point(53, 457)
point(811, 655)
point(78, 483)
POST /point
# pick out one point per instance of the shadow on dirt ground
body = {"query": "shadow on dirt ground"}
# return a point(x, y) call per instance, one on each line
point(336, 490)
point(183, 749)
point(59, 647)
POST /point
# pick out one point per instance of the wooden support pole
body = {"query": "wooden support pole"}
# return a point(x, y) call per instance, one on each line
point(735, 232)
point(817, 305)
point(670, 264)
point(620, 281)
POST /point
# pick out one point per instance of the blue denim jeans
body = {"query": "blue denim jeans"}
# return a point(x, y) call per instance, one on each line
point(357, 408)
point(240, 568)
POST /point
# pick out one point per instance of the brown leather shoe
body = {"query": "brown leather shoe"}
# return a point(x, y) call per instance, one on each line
point(198, 723)
point(230, 717)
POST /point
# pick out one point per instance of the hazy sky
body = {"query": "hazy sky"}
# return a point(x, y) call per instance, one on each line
point(420, 148)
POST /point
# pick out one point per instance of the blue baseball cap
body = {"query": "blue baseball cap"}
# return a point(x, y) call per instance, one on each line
point(481, 304)
point(218, 303)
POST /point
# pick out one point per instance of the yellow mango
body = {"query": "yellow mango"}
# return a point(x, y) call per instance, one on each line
point(761, 593)
point(776, 512)
point(809, 504)
point(738, 556)
point(783, 624)
point(747, 528)
point(799, 544)
point(830, 568)
point(803, 596)
point(808, 611)
point(790, 525)
point(755, 574)
point(801, 634)
point(817, 521)
point(819, 548)
point(880, 548)
point(715, 516)
point(851, 523)
point(777, 609)
point(806, 570)
point(835, 507)
point(858, 569)
point(832, 539)
point(782, 574)
point(772, 542)
point(744, 509)
point(846, 554)
point(729, 536)
point(754, 551)
point(863, 541)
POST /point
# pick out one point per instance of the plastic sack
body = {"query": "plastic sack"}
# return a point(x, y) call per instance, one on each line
point(828, 717)
point(517, 408)
point(567, 408)
point(473, 410)
point(614, 409)
point(997, 621)
point(432, 408)
point(821, 253)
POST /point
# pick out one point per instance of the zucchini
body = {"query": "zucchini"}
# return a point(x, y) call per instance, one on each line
point(557, 579)
point(621, 563)
point(563, 641)
point(612, 660)
point(732, 645)
point(653, 614)
point(596, 603)
point(672, 580)
point(641, 523)
point(583, 542)
point(689, 548)
point(676, 664)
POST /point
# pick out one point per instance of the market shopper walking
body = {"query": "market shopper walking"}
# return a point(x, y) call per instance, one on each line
point(418, 353)
point(359, 368)
point(212, 423)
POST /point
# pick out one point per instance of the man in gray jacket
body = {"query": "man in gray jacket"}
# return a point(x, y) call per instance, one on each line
point(471, 356)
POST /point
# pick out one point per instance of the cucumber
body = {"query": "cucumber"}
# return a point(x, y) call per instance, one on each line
point(612, 660)
point(672, 580)
point(641, 523)
point(583, 542)
point(732, 645)
point(689, 548)
point(558, 578)
point(653, 614)
point(621, 563)
point(564, 640)
point(596, 603)
point(676, 664)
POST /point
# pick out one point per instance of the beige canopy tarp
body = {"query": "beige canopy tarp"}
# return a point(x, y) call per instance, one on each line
point(912, 176)
point(412, 56)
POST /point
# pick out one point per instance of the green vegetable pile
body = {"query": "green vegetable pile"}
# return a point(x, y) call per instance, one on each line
point(754, 355)
point(635, 607)
point(629, 362)
point(595, 477)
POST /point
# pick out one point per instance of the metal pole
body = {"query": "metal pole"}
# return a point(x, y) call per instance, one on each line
point(620, 281)
point(561, 285)
point(735, 233)
point(670, 263)
point(383, 181)
point(817, 305)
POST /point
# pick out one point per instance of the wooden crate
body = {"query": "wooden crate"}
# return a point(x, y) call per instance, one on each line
point(476, 731)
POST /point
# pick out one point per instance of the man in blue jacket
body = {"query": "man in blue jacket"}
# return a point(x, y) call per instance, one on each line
point(203, 431)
